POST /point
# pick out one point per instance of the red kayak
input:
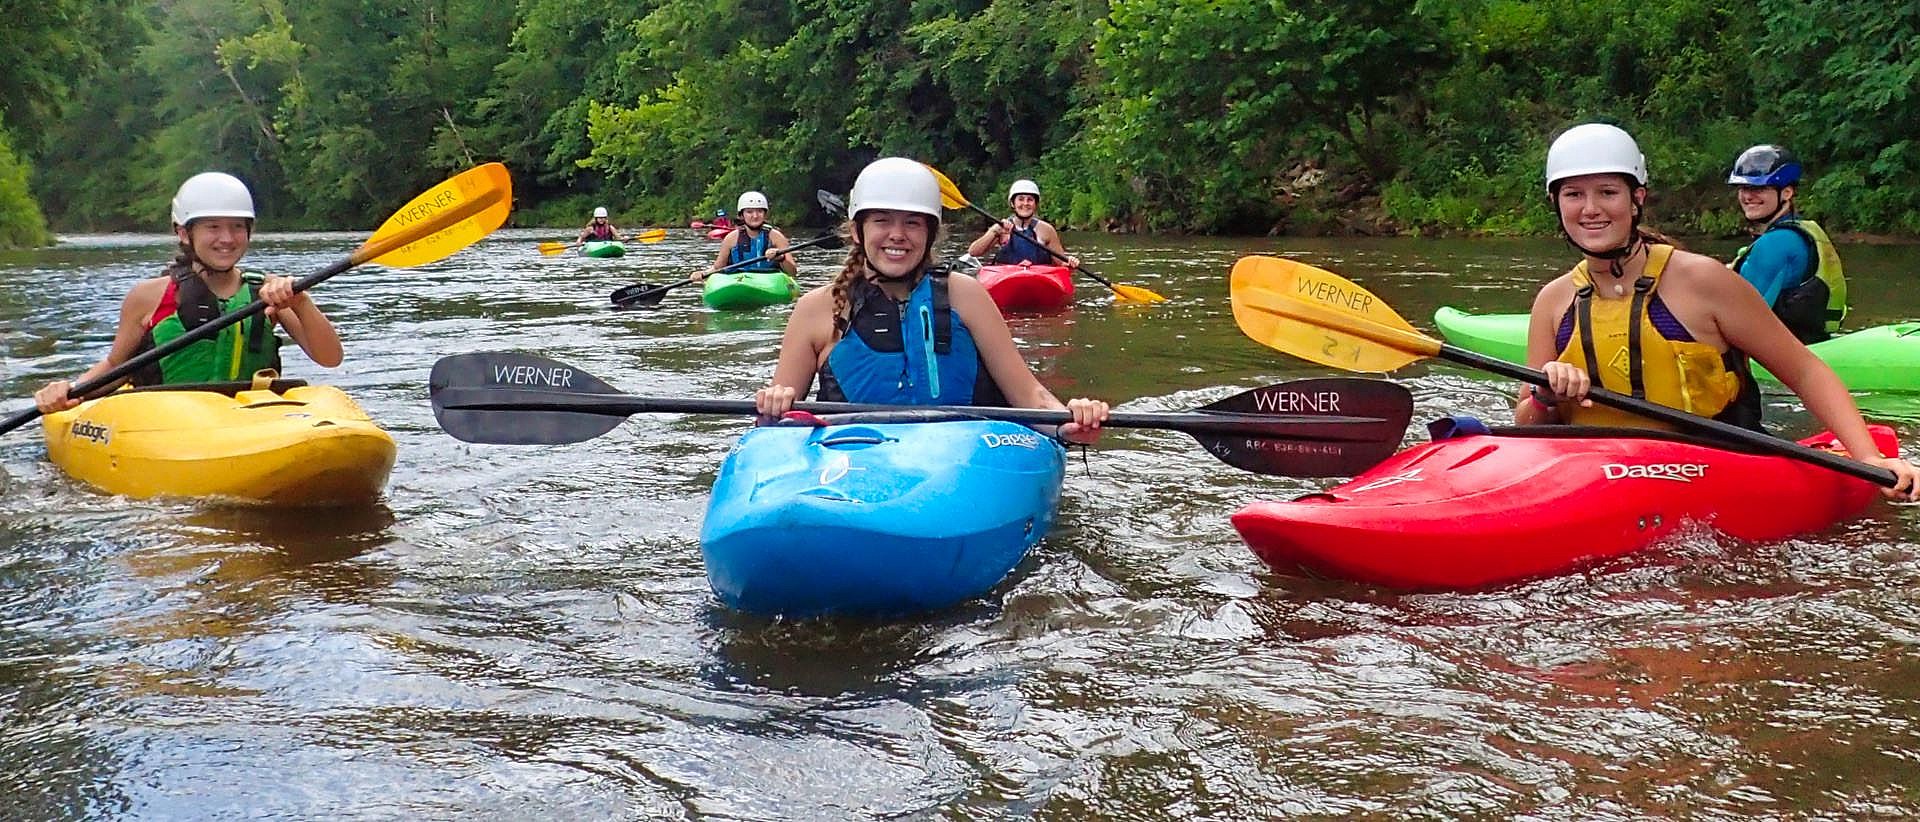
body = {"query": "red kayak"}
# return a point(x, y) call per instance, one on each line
point(1487, 509)
point(717, 233)
point(1028, 287)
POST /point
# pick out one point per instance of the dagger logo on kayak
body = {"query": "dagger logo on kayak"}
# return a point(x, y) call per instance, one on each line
point(90, 430)
point(1674, 471)
point(533, 376)
point(1409, 475)
point(1022, 440)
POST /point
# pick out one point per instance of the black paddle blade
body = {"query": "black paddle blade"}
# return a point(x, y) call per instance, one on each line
point(831, 242)
point(465, 380)
point(831, 202)
point(1337, 448)
point(638, 295)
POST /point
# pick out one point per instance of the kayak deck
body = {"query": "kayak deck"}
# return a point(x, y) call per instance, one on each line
point(304, 446)
point(748, 289)
point(1479, 511)
point(1028, 287)
point(876, 519)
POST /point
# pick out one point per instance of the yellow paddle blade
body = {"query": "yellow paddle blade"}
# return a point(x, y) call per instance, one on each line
point(1136, 294)
point(445, 219)
point(650, 236)
point(1321, 317)
point(553, 248)
point(950, 195)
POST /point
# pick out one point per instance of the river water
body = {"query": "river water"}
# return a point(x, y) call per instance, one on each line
point(522, 633)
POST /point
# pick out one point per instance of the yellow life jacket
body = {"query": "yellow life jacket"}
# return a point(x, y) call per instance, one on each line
point(1814, 307)
point(1633, 358)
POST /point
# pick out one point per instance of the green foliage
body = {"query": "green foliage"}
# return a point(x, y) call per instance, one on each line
point(1225, 115)
point(20, 222)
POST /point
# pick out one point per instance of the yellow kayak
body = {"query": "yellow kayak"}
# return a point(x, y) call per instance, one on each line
point(298, 446)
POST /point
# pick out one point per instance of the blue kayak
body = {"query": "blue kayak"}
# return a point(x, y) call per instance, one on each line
point(877, 518)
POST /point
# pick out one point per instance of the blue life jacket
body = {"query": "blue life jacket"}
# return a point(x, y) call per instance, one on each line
point(916, 353)
point(750, 245)
point(1023, 246)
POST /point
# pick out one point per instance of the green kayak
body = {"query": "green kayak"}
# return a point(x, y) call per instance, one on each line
point(749, 289)
point(1882, 358)
point(607, 248)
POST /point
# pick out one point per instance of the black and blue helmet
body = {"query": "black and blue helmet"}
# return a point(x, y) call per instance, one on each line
point(1765, 165)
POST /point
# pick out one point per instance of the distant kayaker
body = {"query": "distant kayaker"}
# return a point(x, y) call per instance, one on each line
point(1669, 325)
point(1023, 237)
point(1792, 261)
point(754, 238)
point(599, 229)
point(213, 220)
point(892, 328)
point(721, 220)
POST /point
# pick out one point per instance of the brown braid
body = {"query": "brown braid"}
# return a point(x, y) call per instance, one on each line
point(853, 272)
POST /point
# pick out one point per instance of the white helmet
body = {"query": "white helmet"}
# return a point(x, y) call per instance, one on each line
point(600, 212)
point(751, 199)
point(895, 183)
point(1020, 187)
point(211, 194)
point(1595, 148)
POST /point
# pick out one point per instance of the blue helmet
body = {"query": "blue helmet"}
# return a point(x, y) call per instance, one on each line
point(1765, 165)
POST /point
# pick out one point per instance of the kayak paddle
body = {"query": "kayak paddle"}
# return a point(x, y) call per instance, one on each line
point(443, 220)
point(648, 295)
point(1302, 428)
point(649, 237)
point(951, 197)
point(642, 295)
point(1339, 324)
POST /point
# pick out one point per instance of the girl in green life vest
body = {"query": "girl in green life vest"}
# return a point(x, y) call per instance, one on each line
point(213, 219)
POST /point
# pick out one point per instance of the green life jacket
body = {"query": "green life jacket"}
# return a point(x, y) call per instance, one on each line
point(235, 353)
point(1814, 308)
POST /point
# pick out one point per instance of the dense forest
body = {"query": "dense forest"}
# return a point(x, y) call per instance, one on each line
point(1297, 116)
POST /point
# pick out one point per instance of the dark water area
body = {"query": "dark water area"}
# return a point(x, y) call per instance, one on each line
point(518, 633)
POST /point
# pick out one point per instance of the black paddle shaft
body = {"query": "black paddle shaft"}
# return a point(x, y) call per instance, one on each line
point(1683, 420)
point(105, 382)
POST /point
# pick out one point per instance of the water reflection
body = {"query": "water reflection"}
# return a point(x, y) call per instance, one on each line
point(527, 633)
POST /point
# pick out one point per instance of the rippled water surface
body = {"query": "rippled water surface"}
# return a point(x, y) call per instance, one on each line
point(528, 632)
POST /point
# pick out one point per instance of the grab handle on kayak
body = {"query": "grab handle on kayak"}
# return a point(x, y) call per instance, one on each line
point(858, 436)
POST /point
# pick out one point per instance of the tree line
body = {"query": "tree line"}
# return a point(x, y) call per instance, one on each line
point(1290, 116)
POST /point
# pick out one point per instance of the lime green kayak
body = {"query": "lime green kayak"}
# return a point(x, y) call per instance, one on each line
point(749, 289)
point(1501, 336)
point(1882, 358)
point(608, 248)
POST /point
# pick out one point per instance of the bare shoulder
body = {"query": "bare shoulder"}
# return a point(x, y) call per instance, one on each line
point(965, 287)
point(1556, 293)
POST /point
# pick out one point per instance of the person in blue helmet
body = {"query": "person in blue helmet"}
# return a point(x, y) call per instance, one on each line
point(1792, 262)
point(893, 328)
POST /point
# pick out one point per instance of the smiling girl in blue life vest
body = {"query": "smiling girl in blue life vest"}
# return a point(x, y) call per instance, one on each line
point(1659, 323)
point(213, 221)
point(893, 329)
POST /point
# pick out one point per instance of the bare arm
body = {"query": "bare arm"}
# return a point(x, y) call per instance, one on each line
point(1050, 237)
point(777, 244)
point(303, 320)
point(809, 332)
point(988, 240)
point(131, 329)
point(1542, 323)
point(991, 335)
point(1745, 322)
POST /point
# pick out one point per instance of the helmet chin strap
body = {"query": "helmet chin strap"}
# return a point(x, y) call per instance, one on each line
point(1781, 208)
point(1616, 258)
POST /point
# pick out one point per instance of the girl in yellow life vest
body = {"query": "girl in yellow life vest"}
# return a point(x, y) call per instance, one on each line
point(213, 220)
point(1644, 318)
